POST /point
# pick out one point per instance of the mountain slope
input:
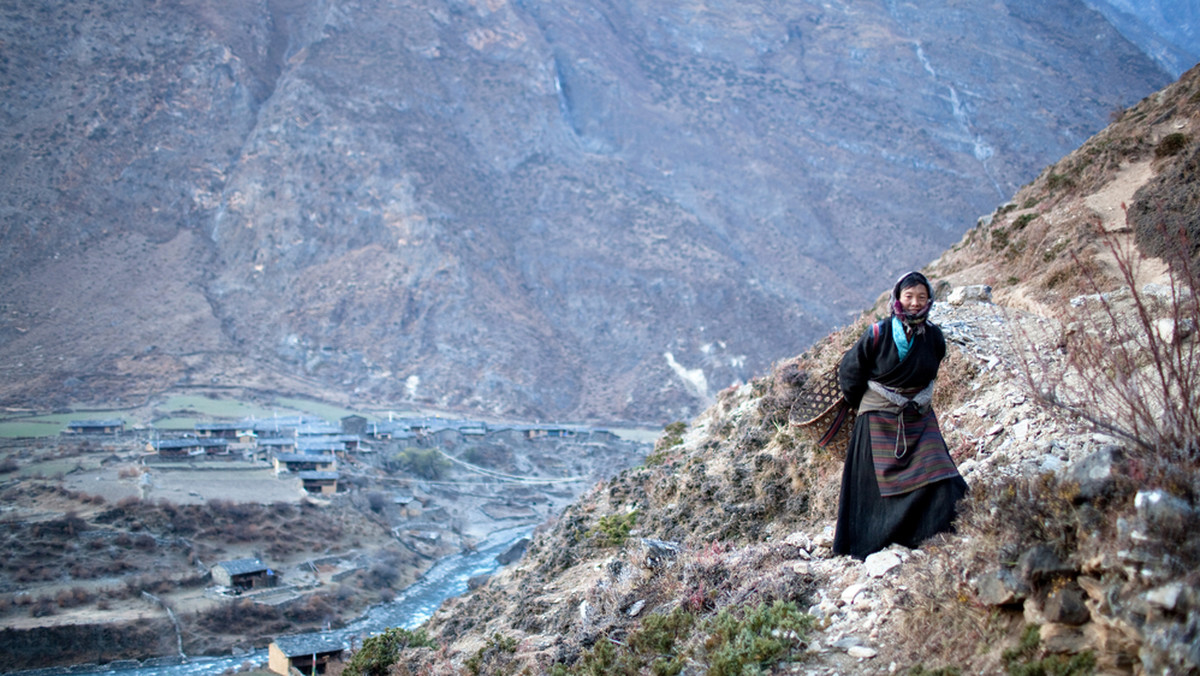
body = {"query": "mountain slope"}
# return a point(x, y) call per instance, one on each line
point(601, 209)
point(1075, 550)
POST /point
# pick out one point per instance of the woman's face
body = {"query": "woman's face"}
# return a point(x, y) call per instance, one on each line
point(914, 298)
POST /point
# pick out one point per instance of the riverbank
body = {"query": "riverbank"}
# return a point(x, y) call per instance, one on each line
point(447, 578)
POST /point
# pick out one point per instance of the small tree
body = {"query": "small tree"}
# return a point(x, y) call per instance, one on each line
point(427, 463)
point(1129, 361)
point(379, 653)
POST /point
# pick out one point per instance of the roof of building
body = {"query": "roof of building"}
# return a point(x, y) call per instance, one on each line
point(314, 475)
point(319, 458)
point(222, 425)
point(187, 442)
point(298, 645)
point(314, 445)
point(318, 428)
point(114, 422)
point(243, 566)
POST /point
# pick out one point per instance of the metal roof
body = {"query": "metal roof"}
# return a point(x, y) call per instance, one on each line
point(313, 475)
point(318, 458)
point(115, 422)
point(299, 645)
point(243, 566)
point(187, 442)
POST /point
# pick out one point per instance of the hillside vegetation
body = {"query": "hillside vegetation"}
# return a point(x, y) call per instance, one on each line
point(1069, 400)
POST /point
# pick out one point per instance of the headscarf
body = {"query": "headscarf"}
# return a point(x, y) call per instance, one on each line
point(914, 323)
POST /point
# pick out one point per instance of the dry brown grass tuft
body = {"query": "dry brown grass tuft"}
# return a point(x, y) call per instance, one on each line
point(941, 621)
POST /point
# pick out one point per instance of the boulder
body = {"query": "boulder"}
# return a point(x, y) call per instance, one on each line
point(1041, 564)
point(880, 563)
point(513, 553)
point(1167, 597)
point(1065, 605)
point(657, 552)
point(1163, 513)
point(1000, 588)
point(1096, 475)
point(978, 293)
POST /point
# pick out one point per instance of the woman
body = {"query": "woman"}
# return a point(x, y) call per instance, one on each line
point(899, 484)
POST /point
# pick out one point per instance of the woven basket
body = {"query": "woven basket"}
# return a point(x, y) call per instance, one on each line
point(821, 412)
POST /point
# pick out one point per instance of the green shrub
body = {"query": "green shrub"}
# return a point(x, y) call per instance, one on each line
point(656, 458)
point(999, 239)
point(1056, 181)
point(613, 530)
point(1023, 220)
point(495, 646)
point(731, 644)
point(1020, 660)
point(427, 463)
point(920, 670)
point(672, 435)
point(654, 648)
point(762, 637)
point(1171, 144)
point(379, 653)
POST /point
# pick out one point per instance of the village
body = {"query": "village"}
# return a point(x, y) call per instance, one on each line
point(310, 449)
point(422, 488)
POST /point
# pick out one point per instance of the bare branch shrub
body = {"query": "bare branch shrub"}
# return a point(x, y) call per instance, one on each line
point(1128, 362)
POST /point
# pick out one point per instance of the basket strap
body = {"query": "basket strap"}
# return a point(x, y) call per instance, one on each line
point(838, 421)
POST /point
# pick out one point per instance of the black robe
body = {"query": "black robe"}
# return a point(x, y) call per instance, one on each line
point(868, 521)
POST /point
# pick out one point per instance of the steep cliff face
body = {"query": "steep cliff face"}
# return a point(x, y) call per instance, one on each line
point(584, 209)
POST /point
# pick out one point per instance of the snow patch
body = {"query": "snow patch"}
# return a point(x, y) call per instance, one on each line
point(693, 379)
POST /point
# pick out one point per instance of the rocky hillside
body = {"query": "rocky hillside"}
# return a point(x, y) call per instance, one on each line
point(1076, 551)
point(594, 209)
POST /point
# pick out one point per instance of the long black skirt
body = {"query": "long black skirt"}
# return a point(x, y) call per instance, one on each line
point(867, 521)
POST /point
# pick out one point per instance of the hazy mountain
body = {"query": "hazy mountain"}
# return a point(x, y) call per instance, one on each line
point(1167, 30)
point(604, 209)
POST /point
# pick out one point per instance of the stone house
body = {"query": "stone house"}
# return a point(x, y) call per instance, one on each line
point(305, 462)
point(306, 653)
point(321, 483)
point(113, 426)
point(243, 574)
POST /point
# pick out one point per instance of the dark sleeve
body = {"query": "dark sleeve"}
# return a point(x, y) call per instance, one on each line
point(937, 341)
point(855, 368)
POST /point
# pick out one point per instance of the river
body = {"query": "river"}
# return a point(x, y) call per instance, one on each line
point(446, 579)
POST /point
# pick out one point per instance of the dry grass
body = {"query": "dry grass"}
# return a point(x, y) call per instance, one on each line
point(939, 623)
point(1130, 362)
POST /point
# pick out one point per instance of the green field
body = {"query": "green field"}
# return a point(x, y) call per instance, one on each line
point(219, 408)
point(30, 428)
point(59, 467)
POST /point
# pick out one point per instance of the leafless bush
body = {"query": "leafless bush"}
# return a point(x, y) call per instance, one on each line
point(42, 608)
point(377, 501)
point(1129, 362)
point(70, 598)
point(129, 502)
